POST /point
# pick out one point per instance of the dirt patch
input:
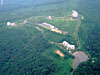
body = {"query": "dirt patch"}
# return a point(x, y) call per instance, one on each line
point(39, 29)
point(79, 58)
point(59, 53)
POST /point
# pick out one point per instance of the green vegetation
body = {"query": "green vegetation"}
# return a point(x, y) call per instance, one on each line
point(24, 50)
point(89, 34)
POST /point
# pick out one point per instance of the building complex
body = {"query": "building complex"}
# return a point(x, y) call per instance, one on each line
point(52, 28)
point(68, 46)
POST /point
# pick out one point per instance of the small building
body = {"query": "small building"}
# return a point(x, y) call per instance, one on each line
point(52, 28)
point(71, 47)
point(11, 24)
point(82, 17)
point(68, 46)
point(49, 18)
point(25, 21)
point(47, 25)
point(70, 52)
point(93, 61)
point(75, 14)
point(65, 43)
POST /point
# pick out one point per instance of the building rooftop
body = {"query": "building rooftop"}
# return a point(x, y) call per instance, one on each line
point(11, 24)
point(68, 46)
point(74, 13)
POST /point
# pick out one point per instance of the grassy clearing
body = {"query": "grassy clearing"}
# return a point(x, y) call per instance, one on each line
point(63, 64)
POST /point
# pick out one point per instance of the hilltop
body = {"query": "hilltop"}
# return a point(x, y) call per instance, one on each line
point(42, 38)
point(59, 30)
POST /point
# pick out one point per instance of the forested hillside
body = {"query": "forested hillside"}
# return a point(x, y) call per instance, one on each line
point(89, 33)
point(24, 50)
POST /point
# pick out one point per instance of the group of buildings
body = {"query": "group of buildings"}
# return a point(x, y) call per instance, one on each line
point(11, 24)
point(68, 46)
point(52, 28)
point(75, 16)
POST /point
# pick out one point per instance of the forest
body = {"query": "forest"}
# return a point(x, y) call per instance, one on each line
point(25, 51)
point(89, 32)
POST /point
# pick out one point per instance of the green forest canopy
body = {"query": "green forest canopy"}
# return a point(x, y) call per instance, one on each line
point(22, 49)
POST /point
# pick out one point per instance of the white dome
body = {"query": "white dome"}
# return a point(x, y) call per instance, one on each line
point(8, 23)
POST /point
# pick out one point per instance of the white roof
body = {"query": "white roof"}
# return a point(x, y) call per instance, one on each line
point(8, 23)
point(72, 45)
point(74, 13)
point(64, 42)
point(11, 24)
point(68, 45)
point(48, 24)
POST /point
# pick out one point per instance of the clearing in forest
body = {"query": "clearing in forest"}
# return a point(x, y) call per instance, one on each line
point(59, 53)
point(79, 58)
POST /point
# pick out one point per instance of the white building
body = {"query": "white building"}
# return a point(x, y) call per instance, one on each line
point(49, 18)
point(75, 14)
point(25, 21)
point(68, 46)
point(93, 61)
point(65, 43)
point(48, 25)
point(70, 52)
point(11, 24)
